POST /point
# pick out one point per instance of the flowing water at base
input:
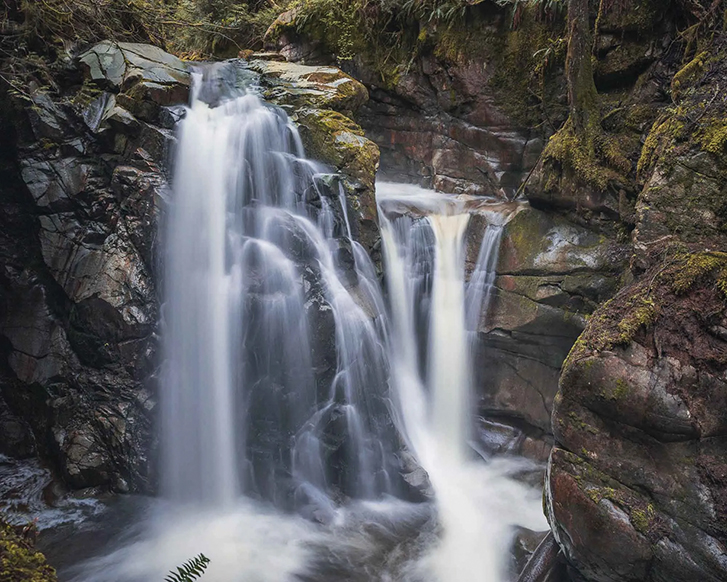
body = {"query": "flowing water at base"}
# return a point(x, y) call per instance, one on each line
point(463, 536)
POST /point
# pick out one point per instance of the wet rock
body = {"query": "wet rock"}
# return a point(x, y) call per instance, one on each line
point(88, 261)
point(46, 118)
point(78, 305)
point(121, 65)
point(682, 201)
point(140, 195)
point(551, 275)
point(640, 422)
point(54, 182)
point(95, 111)
point(304, 86)
point(16, 436)
point(623, 62)
point(143, 77)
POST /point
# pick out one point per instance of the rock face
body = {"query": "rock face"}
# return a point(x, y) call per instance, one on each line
point(425, 138)
point(83, 189)
point(79, 303)
point(443, 115)
point(637, 486)
point(551, 275)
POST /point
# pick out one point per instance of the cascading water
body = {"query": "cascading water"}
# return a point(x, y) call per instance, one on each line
point(289, 380)
point(478, 503)
point(243, 410)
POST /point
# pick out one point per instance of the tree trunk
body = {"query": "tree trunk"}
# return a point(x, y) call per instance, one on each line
point(582, 94)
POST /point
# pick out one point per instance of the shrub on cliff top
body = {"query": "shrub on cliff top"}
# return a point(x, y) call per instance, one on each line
point(203, 28)
point(87, 21)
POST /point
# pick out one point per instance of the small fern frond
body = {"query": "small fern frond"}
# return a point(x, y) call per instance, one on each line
point(190, 571)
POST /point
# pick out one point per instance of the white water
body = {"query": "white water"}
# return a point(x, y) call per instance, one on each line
point(478, 504)
point(262, 274)
point(242, 410)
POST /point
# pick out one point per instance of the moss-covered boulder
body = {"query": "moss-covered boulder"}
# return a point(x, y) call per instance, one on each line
point(335, 139)
point(19, 561)
point(638, 484)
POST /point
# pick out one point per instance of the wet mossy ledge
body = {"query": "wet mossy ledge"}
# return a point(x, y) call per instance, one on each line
point(633, 312)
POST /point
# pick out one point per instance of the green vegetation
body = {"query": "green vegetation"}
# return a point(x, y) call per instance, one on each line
point(192, 28)
point(589, 158)
point(19, 562)
point(689, 74)
point(694, 268)
point(643, 519)
point(190, 570)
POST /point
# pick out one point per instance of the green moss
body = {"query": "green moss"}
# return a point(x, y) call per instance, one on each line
point(689, 75)
point(622, 389)
point(713, 136)
point(578, 423)
point(641, 312)
point(635, 16)
point(578, 351)
point(579, 160)
point(333, 138)
point(521, 60)
point(693, 268)
point(526, 232)
point(598, 494)
point(616, 323)
point(618, 391)
point(643, 519)
point(18, 560)
point(662, 138)
point(86, 94)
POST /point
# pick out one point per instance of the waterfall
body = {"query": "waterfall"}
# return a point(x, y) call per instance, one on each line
point(423, 243)
point(448, 362)
point(252, 235)
point(480, 288)
point(297, 398)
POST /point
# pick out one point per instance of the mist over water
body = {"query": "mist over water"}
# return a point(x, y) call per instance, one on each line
point(273, 470)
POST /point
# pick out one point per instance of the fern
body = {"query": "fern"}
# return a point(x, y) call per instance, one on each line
point(190, 570)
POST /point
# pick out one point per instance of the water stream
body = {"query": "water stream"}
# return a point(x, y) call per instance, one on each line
point(315, 426)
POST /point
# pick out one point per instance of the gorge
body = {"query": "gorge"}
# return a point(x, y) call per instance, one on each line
point(229, 327)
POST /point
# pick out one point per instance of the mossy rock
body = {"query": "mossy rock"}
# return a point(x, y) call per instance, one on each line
point(636, 16)
point(333, 138)
point(313, 87)
point(19, 561)
point(684, 200)
point(535, 242)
